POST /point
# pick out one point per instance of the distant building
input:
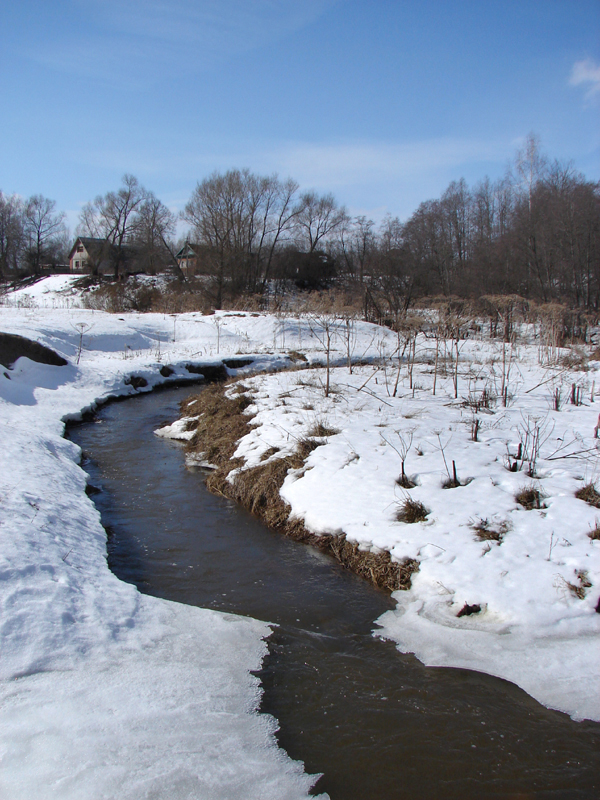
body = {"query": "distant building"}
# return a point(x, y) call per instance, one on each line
point(99, 257)
point(194, 259)
point(90, 255)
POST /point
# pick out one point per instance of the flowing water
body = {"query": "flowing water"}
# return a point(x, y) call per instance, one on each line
point(378, 724)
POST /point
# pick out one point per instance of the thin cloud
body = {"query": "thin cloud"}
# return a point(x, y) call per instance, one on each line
point(586, 72)
point(134, 42)
point(335, 166)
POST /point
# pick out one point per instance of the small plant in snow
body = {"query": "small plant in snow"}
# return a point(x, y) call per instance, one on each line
point(402, 448)
point(320, 430)
point(488, 530)
point(589, 494)
point(530, 497)
point(533, 433)
point(594, 534)
point(577, 589)
point(412, 511)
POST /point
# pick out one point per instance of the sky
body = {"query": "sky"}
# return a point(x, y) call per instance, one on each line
point(381, 102)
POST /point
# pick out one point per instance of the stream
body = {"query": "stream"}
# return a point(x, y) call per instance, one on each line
point(376, 723)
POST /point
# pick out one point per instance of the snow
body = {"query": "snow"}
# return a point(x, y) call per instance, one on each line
point(532, 628)
point(55, 291)
point(106, 692)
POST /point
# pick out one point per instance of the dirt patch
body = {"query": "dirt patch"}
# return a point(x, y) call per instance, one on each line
point(13, 347)
point(221, 424)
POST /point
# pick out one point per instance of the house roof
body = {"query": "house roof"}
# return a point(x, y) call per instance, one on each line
point(189, 250)
point(93, 246)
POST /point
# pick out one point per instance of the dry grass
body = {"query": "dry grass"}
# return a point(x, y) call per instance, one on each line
point(487, 531)
point(595, 533)
point(221, 425)
point(412, 511)
point(583, 583)
point(589, 494)
point(530, 498)
point(271, 451)
point(295, 356)
point(320, 430)
point(405, 482)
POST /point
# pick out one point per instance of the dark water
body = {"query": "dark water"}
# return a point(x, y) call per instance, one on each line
point(378, 724)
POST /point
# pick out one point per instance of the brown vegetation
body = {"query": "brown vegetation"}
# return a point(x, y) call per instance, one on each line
point(220, 426)
point(530, 498)
point(589, 494)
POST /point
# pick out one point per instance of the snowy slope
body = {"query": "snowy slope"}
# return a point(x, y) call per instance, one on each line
point(533, 575)
point(106, 692)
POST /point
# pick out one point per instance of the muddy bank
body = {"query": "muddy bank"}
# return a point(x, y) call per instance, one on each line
point(222, 421)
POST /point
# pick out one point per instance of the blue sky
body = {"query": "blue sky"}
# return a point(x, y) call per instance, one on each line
point(383, 103)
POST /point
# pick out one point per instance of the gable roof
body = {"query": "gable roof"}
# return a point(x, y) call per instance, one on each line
point(93, 246)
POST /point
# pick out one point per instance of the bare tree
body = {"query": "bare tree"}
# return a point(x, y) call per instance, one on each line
point(115, 218)
point(44, 228)
point(153, 235)
point(12, 235)
point(317, 218)
point(242, 219)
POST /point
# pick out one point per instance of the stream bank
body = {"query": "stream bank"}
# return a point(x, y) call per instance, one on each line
point(376, 723)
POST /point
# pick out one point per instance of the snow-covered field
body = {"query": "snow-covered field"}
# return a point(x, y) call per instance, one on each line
point(106, 692)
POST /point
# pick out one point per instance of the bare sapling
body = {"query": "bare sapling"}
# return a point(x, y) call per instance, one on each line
point(402, 448)
point(475, 426)
point(576, 395)
point(81, 328)
point(533, 433)
point(452, 482)
point(322, 326)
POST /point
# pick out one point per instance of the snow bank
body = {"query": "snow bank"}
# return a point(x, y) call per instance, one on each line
point(532, 576)
point(106, 692)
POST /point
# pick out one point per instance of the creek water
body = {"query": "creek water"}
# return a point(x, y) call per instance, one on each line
point(376, 723)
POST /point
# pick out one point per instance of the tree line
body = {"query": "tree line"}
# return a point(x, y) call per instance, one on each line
point(32, 234)
point(534, 233)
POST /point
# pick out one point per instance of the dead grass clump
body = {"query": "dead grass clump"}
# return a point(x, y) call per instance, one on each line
point(595, 533)
point(257, 489)
point(295, 356)
point(405, 482)
point(304, 448)
point(530, 498)
point(487, 531)
point(320, 430)
point(221, 423)
point(589, 494)
point(575, 359)
point(451, 483)
point(583, 584)
point(412, 511)
point(268, 453)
